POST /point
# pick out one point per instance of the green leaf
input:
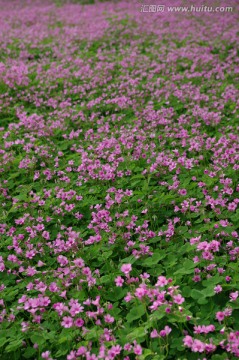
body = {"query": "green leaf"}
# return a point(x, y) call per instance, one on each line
point(177, 343)
point(62, 351)
point(212, 280)
point(185, 248)
point(235, 216)
point(154, 259)
point(158, 314)
point(159, 357)
point(29, 353)
point(202, 301)
point(182, 229)
point(93, 334)
point(11, 295)
point(208, 292)
point(156, 270)
point(63, 339)
point(14, 345)
point(146, 353)
point(3, 341)
point(220, 357)
point(138, 333)
point(135, 313)
point(196, 294)
point(186, 268)
point(37, 339)
point(115, 294)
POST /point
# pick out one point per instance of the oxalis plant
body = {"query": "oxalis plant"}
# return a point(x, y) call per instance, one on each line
point(119, 160)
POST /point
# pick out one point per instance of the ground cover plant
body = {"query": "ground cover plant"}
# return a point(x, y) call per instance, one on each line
point(118, 182)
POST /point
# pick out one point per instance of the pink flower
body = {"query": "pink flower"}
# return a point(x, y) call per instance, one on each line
point(67, 322)
point(81, 351)
point(227, 312)
point(76, 309)
point(182, 192)
point(62, 260)
point(126, 268)
point(109, 319)
point(198, 346)
point(140, 292)
point(127, 347)
point(114, 351)
point(45, 355)
point(53, 287)
point(166, 331)
point(79, 262)
point(119, 281)
point(162, 281)
point(128, 297)
point(218, 289)
point(71, 356)
point(196, 278)
point(220, 316)
point(178, 299)
point(154, 334)
point(202, 329)
point(210, 348)
point(233, 296)
point(188, 341)
point(79, 322)
point(137, 349)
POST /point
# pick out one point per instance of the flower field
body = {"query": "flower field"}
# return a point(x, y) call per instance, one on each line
point(119, 186)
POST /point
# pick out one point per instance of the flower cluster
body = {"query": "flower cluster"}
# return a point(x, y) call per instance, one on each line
point(119, 189)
